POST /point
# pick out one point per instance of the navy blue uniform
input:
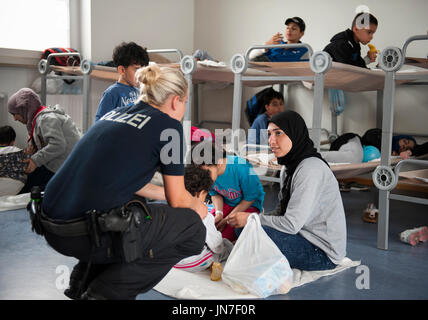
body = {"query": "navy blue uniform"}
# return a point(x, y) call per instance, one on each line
point(115, 158)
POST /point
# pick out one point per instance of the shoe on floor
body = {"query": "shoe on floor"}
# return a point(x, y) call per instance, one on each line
point(371, 213)
point(413, 236)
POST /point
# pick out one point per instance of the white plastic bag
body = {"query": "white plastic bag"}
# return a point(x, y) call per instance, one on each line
point(256, 265)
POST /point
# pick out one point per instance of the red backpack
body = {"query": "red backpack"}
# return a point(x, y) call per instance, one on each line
point(62, 61)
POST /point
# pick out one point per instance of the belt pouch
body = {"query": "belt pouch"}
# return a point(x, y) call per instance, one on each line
point(132, 242)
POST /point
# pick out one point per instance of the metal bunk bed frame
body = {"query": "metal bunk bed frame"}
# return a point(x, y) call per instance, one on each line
point(86, 67)
point(385, 178)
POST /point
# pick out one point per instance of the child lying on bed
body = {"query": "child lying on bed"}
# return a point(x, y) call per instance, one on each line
point(217, 249)
point(351, 148)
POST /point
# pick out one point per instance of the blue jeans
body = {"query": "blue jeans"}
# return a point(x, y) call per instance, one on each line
point(300, 253)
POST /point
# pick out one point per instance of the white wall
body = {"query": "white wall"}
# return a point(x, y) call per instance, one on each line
point(162, 24)
point(98, 26)
point(225, 27)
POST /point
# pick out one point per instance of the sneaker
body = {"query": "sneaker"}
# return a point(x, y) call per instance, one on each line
point(371, 213)
point(354, 186)
point(216, 271)
point(413, 236)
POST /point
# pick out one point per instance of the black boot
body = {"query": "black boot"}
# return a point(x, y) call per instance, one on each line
point(78, 284)
point(90, 295)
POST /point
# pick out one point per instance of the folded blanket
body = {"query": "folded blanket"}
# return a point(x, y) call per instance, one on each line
point(185, 285)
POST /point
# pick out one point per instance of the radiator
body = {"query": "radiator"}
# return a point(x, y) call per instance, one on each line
point(73, 106)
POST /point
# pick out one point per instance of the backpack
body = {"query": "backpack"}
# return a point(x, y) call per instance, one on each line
point(62, 61)
point(255, 105)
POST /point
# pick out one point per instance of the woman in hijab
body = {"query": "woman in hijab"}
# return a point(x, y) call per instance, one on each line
point(52, 136)
point(308, 225)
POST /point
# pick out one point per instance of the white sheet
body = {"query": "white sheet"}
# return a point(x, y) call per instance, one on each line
point(185, 285)
point(14, 202)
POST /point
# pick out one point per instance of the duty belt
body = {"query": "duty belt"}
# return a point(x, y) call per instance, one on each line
point(116, 220)
point(76, 228)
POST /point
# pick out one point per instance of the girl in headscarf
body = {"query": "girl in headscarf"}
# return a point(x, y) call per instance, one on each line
point(52, 136)
point(308, 225)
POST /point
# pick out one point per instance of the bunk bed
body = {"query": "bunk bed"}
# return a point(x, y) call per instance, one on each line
point(385, 176)
point(322, 73)
point(87, 71)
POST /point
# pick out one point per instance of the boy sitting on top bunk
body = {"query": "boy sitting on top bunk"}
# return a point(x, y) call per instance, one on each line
point(128, 58)
point(345, 47)
point(294, 32)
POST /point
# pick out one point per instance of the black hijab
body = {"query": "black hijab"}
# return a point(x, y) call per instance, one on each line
point(295, 128)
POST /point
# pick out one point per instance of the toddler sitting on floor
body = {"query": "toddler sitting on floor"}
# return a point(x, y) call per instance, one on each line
point(217, 249)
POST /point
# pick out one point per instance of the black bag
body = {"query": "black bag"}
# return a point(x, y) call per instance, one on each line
point(372, 137)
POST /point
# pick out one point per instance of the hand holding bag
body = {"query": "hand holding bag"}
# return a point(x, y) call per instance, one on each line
point(256, 265)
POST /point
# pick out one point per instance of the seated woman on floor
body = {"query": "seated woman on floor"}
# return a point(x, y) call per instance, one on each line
point(308, 225)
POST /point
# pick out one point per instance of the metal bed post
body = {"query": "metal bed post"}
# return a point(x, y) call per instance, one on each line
point(43, 84)
point(238, 65)
point(320, 63)
point(384, 177)
point(86, 69)
point(188, 66)
point(44, 69)
point(379, 104)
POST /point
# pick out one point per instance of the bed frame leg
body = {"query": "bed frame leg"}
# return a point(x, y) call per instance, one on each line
point(383, 220)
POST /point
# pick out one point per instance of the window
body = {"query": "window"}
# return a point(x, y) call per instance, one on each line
point(34, 25)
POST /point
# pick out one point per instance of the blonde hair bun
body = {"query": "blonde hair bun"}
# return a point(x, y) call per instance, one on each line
point(149, 75)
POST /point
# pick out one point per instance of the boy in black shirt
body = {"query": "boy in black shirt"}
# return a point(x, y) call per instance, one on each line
point(344, 47)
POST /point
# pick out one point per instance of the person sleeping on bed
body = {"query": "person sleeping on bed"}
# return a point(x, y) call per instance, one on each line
point(216, 249)
point(351, 148)
point(344, 47)
point(293, 33)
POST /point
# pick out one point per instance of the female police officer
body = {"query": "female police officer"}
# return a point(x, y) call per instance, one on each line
point(113, 161)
